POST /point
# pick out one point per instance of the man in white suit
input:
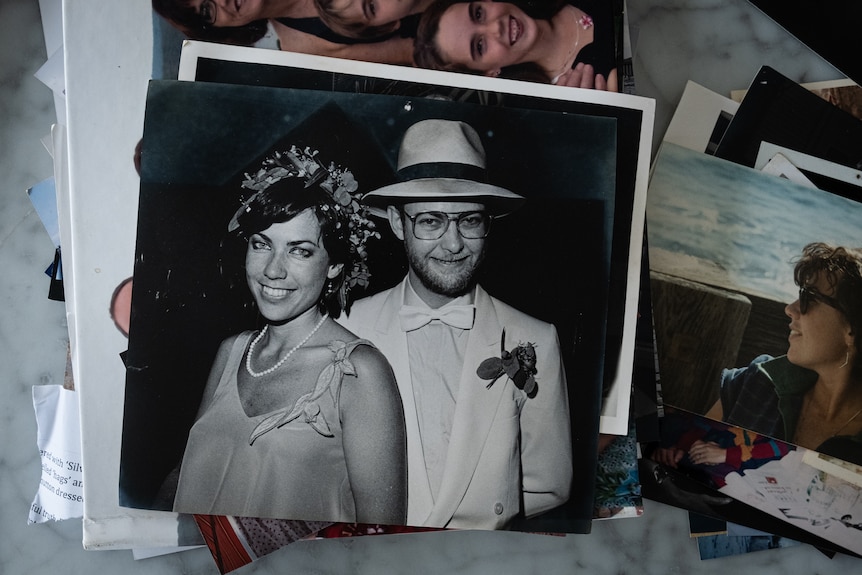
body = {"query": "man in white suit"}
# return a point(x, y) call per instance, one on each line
point(478, 454)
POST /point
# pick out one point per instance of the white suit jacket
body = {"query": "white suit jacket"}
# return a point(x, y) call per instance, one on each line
point(507, 452)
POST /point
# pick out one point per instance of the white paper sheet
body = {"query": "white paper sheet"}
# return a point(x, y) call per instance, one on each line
point(43, 196)
point(780, 166)
point(52, 29)
point(97, 189)
point(822, 504)
point(809, 163)
point(61, 488)
point(698, 116)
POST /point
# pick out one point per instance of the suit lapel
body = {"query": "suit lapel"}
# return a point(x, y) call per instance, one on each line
point(474, 413)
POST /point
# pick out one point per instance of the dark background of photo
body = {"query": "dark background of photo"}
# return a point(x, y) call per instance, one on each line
point(549, 259)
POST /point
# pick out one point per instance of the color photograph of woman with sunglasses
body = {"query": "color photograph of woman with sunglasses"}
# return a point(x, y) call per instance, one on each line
point(812, 396)
point(757, 302)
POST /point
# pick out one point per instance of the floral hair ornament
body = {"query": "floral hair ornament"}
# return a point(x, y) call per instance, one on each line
point(519, 365)
point(336, 181)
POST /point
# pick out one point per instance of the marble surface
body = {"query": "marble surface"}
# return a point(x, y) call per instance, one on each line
point(717, 43)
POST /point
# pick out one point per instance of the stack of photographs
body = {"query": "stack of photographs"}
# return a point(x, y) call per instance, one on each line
point(629, 326)
point(558, 374)
point(580, 191)
point(752, 214)
point(621, 311)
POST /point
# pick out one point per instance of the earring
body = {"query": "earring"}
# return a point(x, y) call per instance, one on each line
point(330, 287)
point(846, 360)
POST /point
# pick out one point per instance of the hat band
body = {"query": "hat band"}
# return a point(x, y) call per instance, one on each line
point(441, 170)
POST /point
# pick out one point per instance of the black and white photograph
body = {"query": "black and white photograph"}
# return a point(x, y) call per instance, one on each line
point(269, 374)
point(633, 116)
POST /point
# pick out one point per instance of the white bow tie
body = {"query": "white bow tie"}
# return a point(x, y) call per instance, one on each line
point(460, 316)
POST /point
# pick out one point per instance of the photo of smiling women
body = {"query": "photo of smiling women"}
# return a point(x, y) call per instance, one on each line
point(379, 31)
point(553, 42)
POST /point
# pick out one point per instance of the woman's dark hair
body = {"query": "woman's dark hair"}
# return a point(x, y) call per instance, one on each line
point(334, 18)
point(182, 15)
point(842, 268)
point(283, 201)
point(426, 53)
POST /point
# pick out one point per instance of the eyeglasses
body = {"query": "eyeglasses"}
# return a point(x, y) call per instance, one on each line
point(432, 225)
point(807, 295)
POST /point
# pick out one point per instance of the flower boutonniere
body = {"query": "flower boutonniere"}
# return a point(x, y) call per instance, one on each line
point(519, 365)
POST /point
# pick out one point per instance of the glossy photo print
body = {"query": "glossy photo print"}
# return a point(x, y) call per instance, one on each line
point(571, 43)
point(756, 289)
point(277, 229)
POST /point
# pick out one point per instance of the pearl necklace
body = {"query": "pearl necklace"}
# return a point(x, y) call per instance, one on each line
point(255, 341)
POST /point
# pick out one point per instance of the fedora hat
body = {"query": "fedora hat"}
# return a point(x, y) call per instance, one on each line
point(442, 160)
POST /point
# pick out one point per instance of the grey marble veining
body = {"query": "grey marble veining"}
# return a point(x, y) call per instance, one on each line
point(720, 44)
point(33, 334)
point(717, 43)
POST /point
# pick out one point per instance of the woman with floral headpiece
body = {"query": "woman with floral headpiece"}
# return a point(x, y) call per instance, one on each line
point(300, 419)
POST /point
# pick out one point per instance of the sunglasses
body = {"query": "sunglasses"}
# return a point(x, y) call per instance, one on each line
point(807, 295)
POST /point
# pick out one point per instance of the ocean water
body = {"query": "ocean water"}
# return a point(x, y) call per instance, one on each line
point(720, 223)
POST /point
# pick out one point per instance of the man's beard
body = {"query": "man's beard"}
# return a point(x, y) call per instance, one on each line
point(445, 283)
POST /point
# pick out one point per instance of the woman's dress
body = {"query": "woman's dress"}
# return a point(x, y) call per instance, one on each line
point(288, 463)
point(603, 52)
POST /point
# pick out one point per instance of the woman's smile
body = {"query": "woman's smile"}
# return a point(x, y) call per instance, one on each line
point(486, 36)
point(275, 293)
point(516, 29)
point(794, 332)
point(226, 13)
point(287, 267)
point(238, 6)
